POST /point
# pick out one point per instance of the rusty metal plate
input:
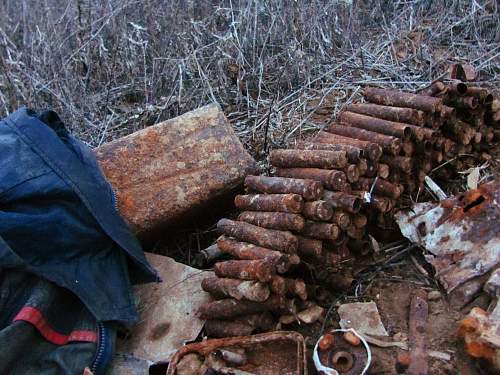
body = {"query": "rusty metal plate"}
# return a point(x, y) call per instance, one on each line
point(271, 353)
point(167, 311)
point(460, 234)
point(163, 172)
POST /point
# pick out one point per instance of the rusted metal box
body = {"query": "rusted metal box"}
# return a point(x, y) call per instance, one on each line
point(166, 171)
point(268, 353)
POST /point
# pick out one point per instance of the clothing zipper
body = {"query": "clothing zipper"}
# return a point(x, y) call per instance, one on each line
point(101, 345)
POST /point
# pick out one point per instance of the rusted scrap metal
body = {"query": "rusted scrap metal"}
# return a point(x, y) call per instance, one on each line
point(259, 270)
point(398, 98)
point(434, 89)
point(419, 312)
point(460, 234)
point(308, 189)
point(308, 159)
point(274, 220)
point(270, 202)
point(389, 143)
point(351, 172)
point(270, 353)
point(331, 179)
point(207, 256)
point(164, 172)
point(317, 210)
point(370, 149)
point(238, 289)
point(248, 251)
point(277, 240)
point(341, 218)
point(397, 114)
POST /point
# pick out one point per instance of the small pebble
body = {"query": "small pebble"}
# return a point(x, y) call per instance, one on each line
point(434, 295)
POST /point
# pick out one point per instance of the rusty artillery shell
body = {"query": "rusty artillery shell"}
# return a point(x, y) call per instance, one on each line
point(402, 99)
point(361, 247)
point(447, 112)
point(322, 231)
point(261, 322)
point(341, 219)
point(276, 240)
point(434, 89)
point(290, 287)
point(391, 128)
point(380, 186)
point(382, 204)
point(352, 173)
point(347, 202)
point(359, 220)
point(420, 134)
point(466, 102)
point(408, 147)
point(229, 308)
point(362, 166)
point(370, 149)
point(260, 269)
point(397, 114)
point(353, 153)
point(333, 180)
point(457, 88)
point(388, 143)
point(338, 282)
point(308, 189)
point(247, 251)
point(402, 163)
point(317, 210)
point(225, 328)
point(270, 202)
point(383, 170)
point(316, 292)
point(308, 159)
point(482, 94)
point(237, 289)
point(273, 220)
point(356, 233)
point(310, 247)
point(372, 168)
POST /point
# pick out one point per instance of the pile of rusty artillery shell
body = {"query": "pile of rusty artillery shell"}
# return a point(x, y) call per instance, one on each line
point(275, 228)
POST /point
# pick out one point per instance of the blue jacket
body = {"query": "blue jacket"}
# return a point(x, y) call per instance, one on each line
point(58, 217)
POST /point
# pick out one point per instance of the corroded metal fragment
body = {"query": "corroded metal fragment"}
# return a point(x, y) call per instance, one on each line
point(333, 180)
point(163, 172)
point(273, 220)
point(270, 202)
point(308, 159)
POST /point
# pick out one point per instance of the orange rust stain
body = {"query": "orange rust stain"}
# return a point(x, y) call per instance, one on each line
point(126, 203)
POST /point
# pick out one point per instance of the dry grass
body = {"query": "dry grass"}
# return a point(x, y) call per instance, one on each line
point(112, 67)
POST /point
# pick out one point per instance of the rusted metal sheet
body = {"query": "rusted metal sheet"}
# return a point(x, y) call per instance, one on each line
point(273, 353)
point(167, 311)
point(165, 171)
point(460, 234)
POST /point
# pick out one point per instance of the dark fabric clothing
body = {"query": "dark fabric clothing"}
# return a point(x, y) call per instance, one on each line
point(58, 217)
point(46, 329)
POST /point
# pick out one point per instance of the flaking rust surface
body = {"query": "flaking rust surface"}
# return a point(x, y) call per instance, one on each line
point(164, 171)
point(167, 311)
point(460, 234)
